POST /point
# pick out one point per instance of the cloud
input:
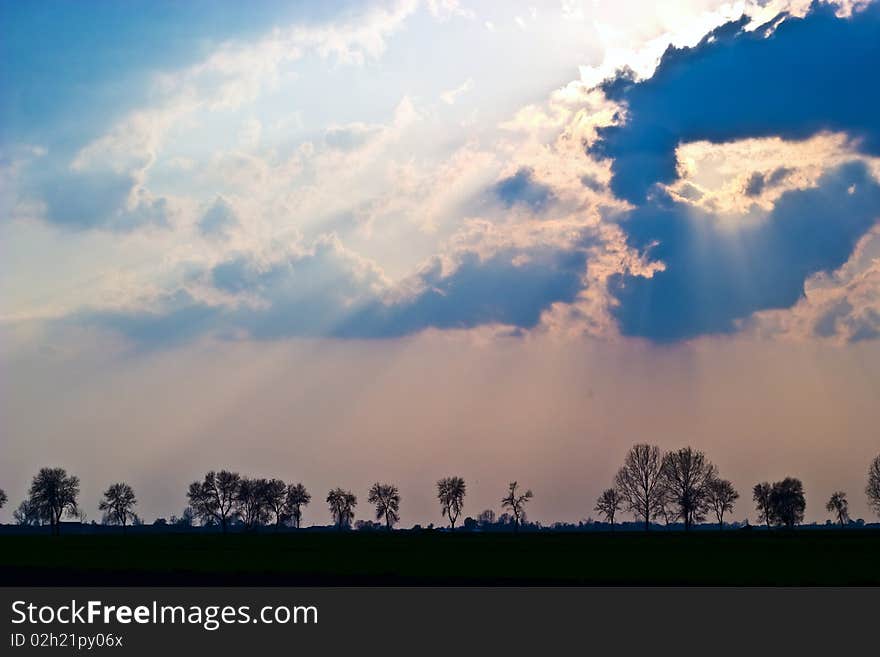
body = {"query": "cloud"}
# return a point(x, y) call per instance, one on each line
point(99, 200)
point(351, 137)
point(328, 291)
point(449, 97)
point(758, 181)
point(522, 187)
point(791, 79)
point(715, 274)
point(736, 238)
point(103, 185)
point(840, 306)
point(445, 9)
point(512, 287)
point(218, 220)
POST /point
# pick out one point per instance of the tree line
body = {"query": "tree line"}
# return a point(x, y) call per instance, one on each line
point(680, 485)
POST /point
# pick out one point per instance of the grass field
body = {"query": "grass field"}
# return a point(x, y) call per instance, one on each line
point(823, 558)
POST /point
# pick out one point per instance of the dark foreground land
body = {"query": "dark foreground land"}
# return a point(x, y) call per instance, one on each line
point(818, 558)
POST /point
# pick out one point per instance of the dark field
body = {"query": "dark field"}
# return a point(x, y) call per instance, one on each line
point(823, 558)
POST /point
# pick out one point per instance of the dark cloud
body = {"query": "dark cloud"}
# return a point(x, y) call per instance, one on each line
point(755, 184)
point(219, 219)
point(778, 175)
point(717, 274)
point(310, 295)
point(102, 200)
point(591, 182)
point(811, 74)
point(512, 287)
point(329, 293)
point(690, 192)
point(789, 79)
point(523, 188)
point(758, 181)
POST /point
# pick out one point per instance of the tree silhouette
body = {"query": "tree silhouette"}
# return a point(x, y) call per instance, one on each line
point(214, 499)
point(839, 506)
point(185, 520)
point(3, 498)
point(761, 496)
point(297, 498)
point(638, 481)
point(486, 517)
point(683, 476)
point(387, 500)
point(665, 507)
point(451, 492)
point(52, 494)
point(275, 499)
point(341, 503)
point(787, 502)
point(250, 502)
point(720, 496)
point(608, 504)
point(516, 502)
point(118, 504)
point(872, 490)
point(27, 515)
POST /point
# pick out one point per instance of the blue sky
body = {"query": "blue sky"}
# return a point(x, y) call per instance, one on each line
point(643, 179)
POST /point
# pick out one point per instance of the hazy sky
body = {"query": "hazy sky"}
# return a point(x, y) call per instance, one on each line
point(345, 242)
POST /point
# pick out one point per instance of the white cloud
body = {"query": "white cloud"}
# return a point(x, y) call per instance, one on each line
point(445, 9)
point(449, 97)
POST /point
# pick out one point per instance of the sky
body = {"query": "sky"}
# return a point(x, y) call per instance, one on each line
point(345, 242)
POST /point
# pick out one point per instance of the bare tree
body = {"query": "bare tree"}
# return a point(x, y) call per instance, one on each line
point(684, 475)
point(761, 496)
point(665, 507)
point(341, 503)
point(720, 496)
point(250, 502)
point(386, 497)
point(118, 504)
point(275, 500)
point(787, 502)
point(297, 498)
point(872, 490)
point(839, 506)
point(608, 504)
point(451, 492)
point(516, 502)
point(638, 481)
point(52, 494)
point(3, 498)
point(214, 499)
